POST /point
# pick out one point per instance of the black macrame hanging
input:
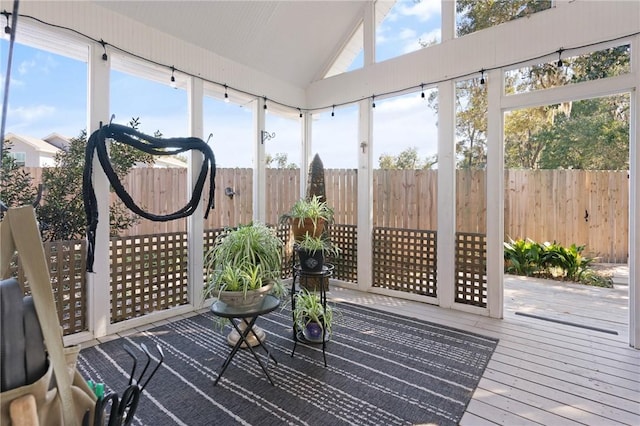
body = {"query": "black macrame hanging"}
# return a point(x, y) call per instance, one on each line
point(150, 145)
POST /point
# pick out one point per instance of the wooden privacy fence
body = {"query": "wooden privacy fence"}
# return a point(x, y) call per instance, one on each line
point(567, 206)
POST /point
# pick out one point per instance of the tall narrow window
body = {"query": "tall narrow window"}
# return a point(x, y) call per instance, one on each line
point(405, 26)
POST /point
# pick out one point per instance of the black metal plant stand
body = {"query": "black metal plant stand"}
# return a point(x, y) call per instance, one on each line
point(221, 309)
point(298, 275)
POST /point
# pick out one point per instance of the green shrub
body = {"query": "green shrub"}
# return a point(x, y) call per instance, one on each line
point(522, 257)
point(551, 260)
point(568, 259)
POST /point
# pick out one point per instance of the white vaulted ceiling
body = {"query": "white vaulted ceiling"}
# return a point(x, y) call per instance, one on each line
point(294, 41)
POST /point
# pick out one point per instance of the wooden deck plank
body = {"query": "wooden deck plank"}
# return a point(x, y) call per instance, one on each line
point(544, 372)
point(563, 414)
point(491, 413)
point(597, 406)
point(512, 357)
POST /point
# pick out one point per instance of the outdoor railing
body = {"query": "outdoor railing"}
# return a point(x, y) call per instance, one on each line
point(149, 272)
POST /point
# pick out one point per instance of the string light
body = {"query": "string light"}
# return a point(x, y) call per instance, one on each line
point(300, 112)
point(173, 78)
point(333, 114)
point(482, 76)
point(265, 104)
point(7, 30)
point(422, 88)
point(560, 64)
point(373, 101)
point(104, 47)
point(226, 94)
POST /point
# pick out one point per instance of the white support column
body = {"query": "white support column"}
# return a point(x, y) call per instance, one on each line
point(259, 170)
point(495, 196)
point(307, 142)
point(634, 202)
point(446, 193)
point(365, 196)
point(369, 33)
point(99, 282)
point(195, 222)
point(448, 16)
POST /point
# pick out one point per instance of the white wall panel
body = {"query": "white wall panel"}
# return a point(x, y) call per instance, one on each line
point(118, 30)
point(572, 25)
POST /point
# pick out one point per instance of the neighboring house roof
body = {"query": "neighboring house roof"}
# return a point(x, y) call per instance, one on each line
point(168, 161)
point(37, 144)
point(57, 140)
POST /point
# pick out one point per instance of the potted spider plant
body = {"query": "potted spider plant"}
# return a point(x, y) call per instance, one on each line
point(308, 216)
point(244, 265)
point(313, 250)
point(311, 317)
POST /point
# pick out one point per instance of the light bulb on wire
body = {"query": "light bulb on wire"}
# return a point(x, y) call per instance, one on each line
point(226, 94)
point(173, 78)
point(560, 64)
point(104, 47)
point(7, 28)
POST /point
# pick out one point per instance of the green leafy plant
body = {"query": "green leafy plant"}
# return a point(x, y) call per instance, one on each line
point(567, 259)
point(309, 309)
point(313, 244)
point(244, 258)
point(522, 257)
point(551, 260)
point(312, 208)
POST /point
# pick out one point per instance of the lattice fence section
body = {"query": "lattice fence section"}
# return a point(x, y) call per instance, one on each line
point(471, 269)
point(345, 237)
point(284, 233)
point(148, 273)
point(405, 260)
point(67, 264)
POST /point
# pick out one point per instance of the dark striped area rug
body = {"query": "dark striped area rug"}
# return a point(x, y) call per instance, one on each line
point(383, 369)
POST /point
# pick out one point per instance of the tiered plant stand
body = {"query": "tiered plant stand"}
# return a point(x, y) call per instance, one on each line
point(299, 276)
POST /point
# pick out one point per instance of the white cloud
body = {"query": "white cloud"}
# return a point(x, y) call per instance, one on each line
point(41, 62)
point(31, 113)
point(14, 82)
point(423, 10)
point(407, 33)
point(25, 66)
point(427, 37)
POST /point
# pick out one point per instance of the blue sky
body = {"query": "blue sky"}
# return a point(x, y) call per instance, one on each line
point(48, 94)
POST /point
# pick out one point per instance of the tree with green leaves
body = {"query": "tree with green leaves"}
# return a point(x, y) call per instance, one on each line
point(585, 134)
point(61, 211)
point(406, 160)
point(280, 161)
point(475, 15)
point(17, 187)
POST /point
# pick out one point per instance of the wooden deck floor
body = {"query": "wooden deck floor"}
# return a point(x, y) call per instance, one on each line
point(545, 372)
